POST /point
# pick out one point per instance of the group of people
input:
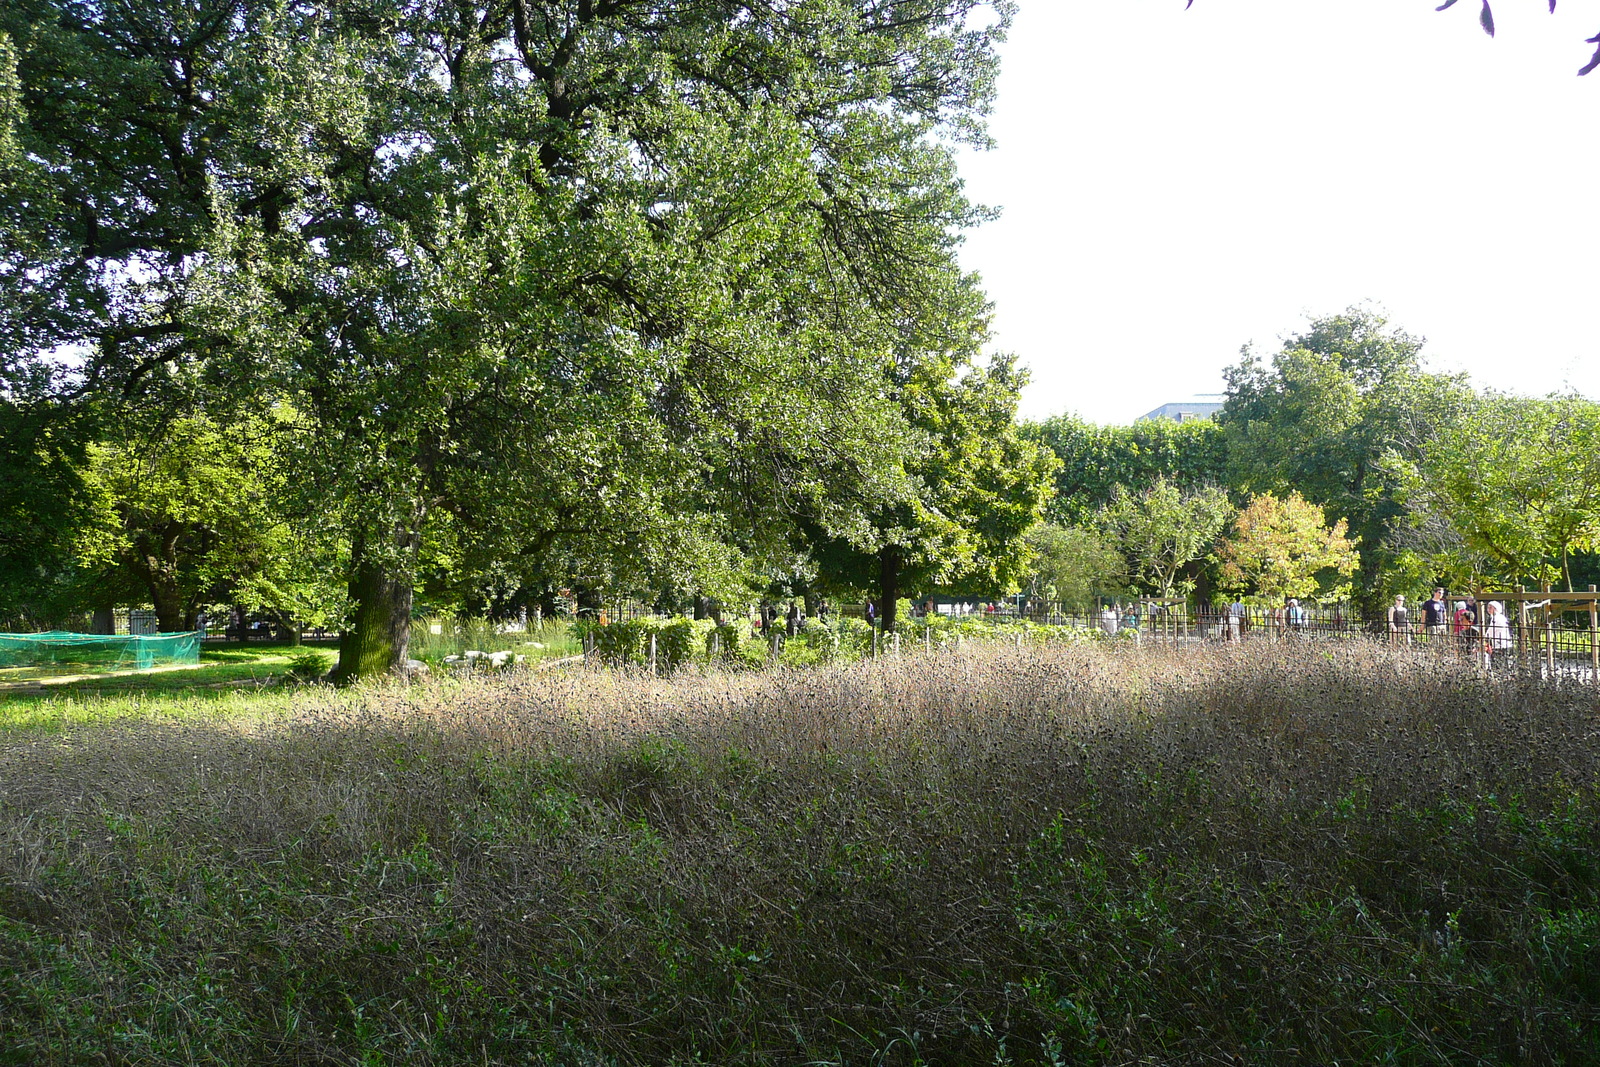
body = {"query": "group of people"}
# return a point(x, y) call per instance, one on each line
point(1291, 618)
point(794, 621)
point(1114, 618)
point(1490, 634)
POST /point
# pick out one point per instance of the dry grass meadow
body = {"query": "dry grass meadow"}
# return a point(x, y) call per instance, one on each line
point(1067, 856)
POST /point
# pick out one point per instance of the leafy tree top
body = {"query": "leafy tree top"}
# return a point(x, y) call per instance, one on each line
point(1283, 547)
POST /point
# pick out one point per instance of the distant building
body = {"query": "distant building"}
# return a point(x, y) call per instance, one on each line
point(1201, 407)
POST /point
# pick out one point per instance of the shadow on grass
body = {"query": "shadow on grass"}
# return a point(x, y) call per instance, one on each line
point(222, 672)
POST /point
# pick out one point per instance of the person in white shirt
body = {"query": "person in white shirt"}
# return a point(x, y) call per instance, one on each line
point(1497, 636)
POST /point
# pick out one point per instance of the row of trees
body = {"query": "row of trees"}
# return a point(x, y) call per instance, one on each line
point(314, 306)
point(1340, 433)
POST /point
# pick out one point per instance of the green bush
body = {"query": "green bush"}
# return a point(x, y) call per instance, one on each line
point(732, 641)
point(679, 641)
point(308, 666)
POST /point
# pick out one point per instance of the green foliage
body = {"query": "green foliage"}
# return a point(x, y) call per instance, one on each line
point(308, 666)
point(609, 285)
point(1072, 565)
point(1517, 479)
point(1324, 418)
point(1163, 529)
point(977, 485)
point(42, 506)
point(678, 641)
point(730, 639)
point(1284, 548)
point(1096, 459)
point(187, 511)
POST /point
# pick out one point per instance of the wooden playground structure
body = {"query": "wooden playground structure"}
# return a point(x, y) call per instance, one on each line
point(1541, 636)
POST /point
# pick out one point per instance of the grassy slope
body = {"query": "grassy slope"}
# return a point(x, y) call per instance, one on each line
point(1075, 856)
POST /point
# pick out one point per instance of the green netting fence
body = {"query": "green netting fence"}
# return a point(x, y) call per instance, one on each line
point(99, 652)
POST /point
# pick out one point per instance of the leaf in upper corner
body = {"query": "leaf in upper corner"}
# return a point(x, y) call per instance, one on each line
point(1486, 19)
point(1447, 3)
point(1595, 62)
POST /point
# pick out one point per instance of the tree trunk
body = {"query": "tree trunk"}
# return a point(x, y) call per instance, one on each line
point(168, 601)
point(104, 621)
point(1370, 600)
point(379, 637)
point(888, 585)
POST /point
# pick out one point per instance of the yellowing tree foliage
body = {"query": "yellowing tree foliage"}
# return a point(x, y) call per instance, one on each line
point(1284, 548)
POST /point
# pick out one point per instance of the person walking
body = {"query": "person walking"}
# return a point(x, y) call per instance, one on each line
point(1464, 625)
point(1110, 619)
point(1399, 621)
point(1236, 620)
point(1435, 614)
point(1496, 636)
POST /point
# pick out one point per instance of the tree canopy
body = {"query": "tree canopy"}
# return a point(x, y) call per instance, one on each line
point(592, 274)
point(1518, 479)
point(1324, 416)
point(1283, 548)
point(1095, 459)
point(1163, 529)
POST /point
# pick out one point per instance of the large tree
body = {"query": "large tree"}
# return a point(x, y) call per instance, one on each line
point(1072, 565)
point(188, 512)
point(973, 487)
point(567, 269)
point(1163, 529)
point(1281, 548)
point(1517, 480)
point(1325, 415)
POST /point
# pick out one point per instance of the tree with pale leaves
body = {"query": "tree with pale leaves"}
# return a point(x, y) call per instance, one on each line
point(1283, 547)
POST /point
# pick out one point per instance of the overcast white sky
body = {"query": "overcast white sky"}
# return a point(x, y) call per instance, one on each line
point(1177, 183)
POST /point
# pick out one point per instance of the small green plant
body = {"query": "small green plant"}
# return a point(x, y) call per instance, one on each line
point(308, 666)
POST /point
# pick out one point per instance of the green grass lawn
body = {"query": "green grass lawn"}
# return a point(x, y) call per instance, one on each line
point(220, 666)
point(230, 679)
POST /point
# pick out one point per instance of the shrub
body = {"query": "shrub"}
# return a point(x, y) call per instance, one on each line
point(308, 666)
point(679, 641)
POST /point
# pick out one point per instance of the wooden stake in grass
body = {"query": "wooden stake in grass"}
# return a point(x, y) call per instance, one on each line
point(1594, 638)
